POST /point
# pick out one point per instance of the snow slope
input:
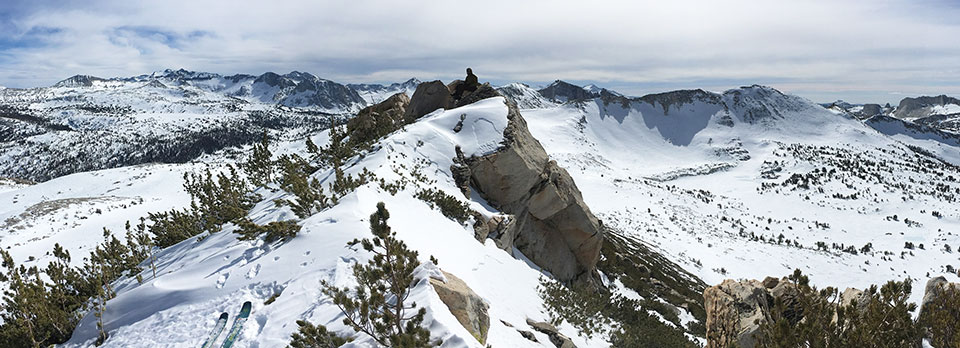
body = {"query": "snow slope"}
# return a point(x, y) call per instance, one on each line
point(198, 279)
point(701, 176)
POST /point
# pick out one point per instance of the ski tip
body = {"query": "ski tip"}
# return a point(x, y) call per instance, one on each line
point(223, 315)
point(247, 304)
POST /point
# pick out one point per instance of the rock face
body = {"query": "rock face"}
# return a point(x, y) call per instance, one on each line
point(428, 97)
point(378, 120)
point(558, 339)
point(469, 309)
point(870, 110)
point(732, 309)
point(561, 91)
point(552, 226)
point(911, 108)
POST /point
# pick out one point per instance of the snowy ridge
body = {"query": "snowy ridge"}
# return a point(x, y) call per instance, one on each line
point(200, 279)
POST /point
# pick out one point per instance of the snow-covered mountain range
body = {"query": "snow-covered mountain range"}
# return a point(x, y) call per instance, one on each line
point(691, 187)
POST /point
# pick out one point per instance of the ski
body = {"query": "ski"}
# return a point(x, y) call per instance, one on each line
point(237, 325)
point(217, 329)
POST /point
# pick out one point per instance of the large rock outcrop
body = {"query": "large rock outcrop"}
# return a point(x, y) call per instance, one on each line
point(911, 108)
point(377, 120)
point(468, 307)
point(428, 97)
point(736, 309)
point(552, 226)
point(733, 309)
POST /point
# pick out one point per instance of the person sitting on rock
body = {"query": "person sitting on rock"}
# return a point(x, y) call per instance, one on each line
point(470, 84)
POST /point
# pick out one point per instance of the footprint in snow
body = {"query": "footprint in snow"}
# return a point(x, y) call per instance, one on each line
point(222, 279)
point(253, 271)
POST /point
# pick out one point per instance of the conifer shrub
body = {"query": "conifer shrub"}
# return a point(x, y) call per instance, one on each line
point(449, 206)
point(817, 318)
point(220, 198)
point(172, 227)
point(378, 306)
point(315, 336)
point(39, 312)
point(624, 322)
point(271, 232)
point(259, 166)
point(295, 178)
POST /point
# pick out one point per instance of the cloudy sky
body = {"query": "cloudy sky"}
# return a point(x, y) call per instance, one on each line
point(859, 51)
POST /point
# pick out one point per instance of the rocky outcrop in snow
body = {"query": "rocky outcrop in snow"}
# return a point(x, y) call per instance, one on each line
point(428, 97)
point(552, 225)
point(912, 108)
point(735, 309)
point(469, 309)
point(377, 120)
point(78, 81)
point(935, 291)
point(558, 339)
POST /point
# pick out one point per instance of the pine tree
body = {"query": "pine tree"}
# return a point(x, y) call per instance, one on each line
point(296, 179)
point(144, 244)
point(378, 305)
point(65, 295)
point(21, 305)
point(259, 167)
point(313, 150)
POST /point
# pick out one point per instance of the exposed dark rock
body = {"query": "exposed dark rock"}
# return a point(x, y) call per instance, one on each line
point(481, 93)
point(870, 110)
point(558, 339)
point(528, 335)
point(78, 81)
point(378, 120)
point(560, 91)
point(428, 97)
point(681, 97)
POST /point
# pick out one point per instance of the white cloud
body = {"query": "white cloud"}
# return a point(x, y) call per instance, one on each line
point(818, 47)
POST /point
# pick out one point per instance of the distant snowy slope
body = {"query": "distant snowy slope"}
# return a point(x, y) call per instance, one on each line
point(375, 93)
point(524, 96)
point(747, 183)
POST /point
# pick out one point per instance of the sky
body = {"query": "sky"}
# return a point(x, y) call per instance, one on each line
point(859, 51)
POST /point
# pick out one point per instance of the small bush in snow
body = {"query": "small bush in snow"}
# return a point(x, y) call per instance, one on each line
point(271, 232)
point(310, 336)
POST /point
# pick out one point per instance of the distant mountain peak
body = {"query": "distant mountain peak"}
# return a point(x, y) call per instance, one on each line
point(78, 81)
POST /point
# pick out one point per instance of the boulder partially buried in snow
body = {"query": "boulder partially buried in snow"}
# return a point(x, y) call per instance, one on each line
point(553, 226)
point(469, 309)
